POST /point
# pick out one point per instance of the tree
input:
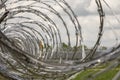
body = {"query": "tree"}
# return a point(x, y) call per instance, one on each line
point(80, 47)
point(64, 45)
point(102, 48)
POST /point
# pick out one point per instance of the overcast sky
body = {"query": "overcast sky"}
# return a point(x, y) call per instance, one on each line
point(86, 11)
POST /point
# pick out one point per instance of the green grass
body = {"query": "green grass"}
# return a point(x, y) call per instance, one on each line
point(107, 75)
point(2, 78)
point(104, 76)
point(83, 75)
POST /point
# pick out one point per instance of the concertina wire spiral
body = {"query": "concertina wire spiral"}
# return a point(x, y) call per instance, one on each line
point(32, 36)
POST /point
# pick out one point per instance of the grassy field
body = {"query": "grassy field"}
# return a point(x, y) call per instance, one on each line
point(105, 76)
point(84, 75)
point(2, 78)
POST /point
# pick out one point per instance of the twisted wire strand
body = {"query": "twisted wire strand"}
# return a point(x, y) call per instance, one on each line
point(32, 34)
point(24, 39)
point(100, 33)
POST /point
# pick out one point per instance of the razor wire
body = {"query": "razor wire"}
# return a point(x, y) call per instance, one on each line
point(31, 40)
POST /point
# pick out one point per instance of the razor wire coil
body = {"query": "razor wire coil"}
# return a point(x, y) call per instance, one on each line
point(31, 40)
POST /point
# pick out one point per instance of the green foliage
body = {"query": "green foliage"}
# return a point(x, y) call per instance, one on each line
point(64, 45)
point(80, 47)
point(103, 48)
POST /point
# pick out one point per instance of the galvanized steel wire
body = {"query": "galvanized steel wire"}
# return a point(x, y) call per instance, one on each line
point(30, 38)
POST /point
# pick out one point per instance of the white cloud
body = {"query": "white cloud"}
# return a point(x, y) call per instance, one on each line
point(86, 11)
point(90, 23)
point(92, 7)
